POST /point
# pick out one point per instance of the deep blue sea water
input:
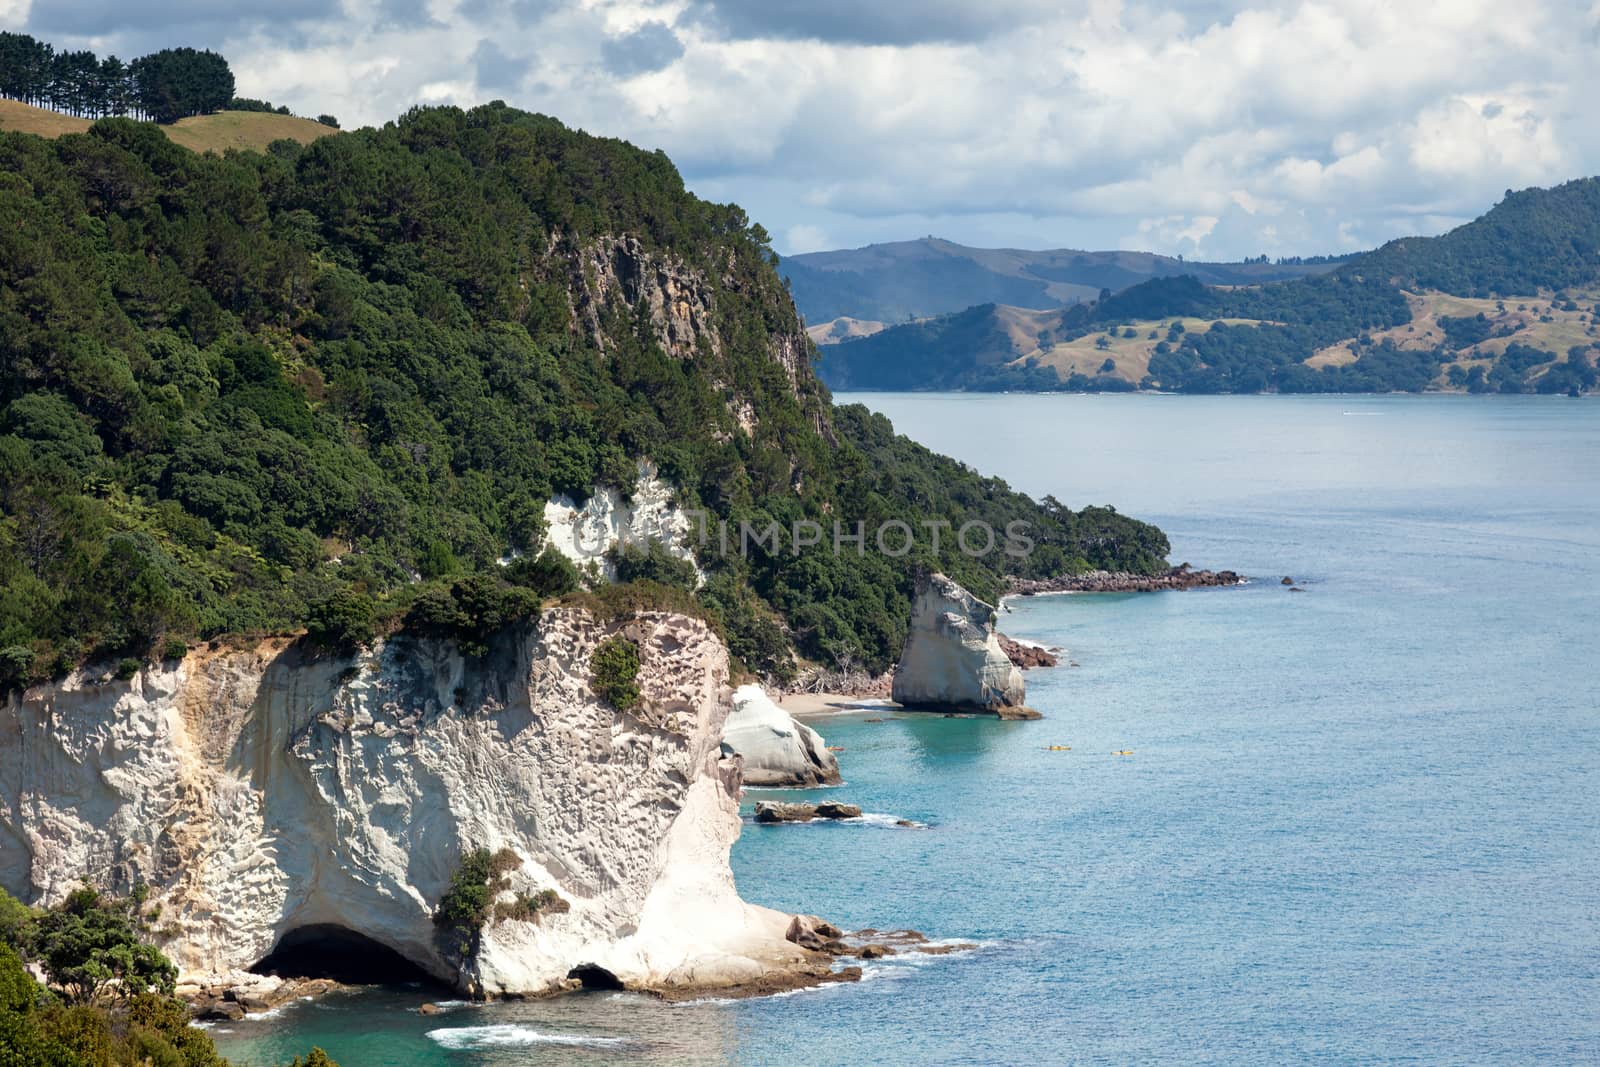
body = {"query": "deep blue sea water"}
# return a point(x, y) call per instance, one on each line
point(1359, 824)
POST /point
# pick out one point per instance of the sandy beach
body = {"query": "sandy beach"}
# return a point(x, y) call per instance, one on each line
point(810, 705)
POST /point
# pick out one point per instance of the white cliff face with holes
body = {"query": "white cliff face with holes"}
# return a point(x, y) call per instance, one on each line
point(261, 790)
point(584, 534)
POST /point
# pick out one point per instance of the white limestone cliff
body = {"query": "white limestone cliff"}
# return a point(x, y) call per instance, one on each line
point(777, 750)
point(952, 659)
point(604, 521)
point(266, 789)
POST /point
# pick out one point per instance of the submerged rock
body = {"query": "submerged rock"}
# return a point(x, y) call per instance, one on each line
point(777, 750)
point(952, 658)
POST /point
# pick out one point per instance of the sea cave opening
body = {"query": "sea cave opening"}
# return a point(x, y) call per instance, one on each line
point(594, 976)
point(327, 950)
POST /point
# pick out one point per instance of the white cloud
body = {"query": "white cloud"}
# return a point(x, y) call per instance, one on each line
point(1220, 127)
point(805, 238)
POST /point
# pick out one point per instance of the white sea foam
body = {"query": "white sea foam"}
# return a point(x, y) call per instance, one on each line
point(510, 1035)
point(892, 822)
point(270, 1013)
point(878, 819)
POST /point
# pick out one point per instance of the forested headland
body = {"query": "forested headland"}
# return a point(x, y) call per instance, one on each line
point(1509, 303)
point(332, 386)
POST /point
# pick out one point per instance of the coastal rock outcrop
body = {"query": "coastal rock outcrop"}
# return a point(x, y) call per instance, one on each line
point(268, 792)
point(774, 811)
point(777, 750)
point(1180, 577)
point(1027, 656)
point(952, 659)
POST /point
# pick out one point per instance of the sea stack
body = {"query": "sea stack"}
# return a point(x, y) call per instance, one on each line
point(777, 750)
point(952, 659)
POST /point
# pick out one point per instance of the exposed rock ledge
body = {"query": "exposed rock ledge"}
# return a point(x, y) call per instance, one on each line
point(1026, 657)
point(1124, 582)
point(952, 659)
point(264, 791)
point(777, 750)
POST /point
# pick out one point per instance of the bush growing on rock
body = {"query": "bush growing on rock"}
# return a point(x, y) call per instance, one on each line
point(615, 667)
point(469, 900)
point(92, 947)
point(343, 621)
point(530, 907)
point(128, 1019)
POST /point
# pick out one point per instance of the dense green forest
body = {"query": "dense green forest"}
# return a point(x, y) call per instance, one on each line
point(332, 385)
point(1535, 241)
point(164, 86)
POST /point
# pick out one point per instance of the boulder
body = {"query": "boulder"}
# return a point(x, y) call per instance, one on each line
point(775, 811)
point(952, 658)
point(812, 933)
point(777, 750)
point(834, 810)
point(875, 952)
point(430, 1009)
point(216, 1010)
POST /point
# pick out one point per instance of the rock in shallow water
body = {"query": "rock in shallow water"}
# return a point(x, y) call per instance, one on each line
point(777, 750)
point(771, 811)
point(952, 658)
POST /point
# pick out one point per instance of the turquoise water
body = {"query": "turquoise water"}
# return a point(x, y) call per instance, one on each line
point(1359, 823)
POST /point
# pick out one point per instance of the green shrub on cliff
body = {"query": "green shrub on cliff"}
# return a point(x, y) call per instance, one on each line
point(468, 902)
point(614, 666)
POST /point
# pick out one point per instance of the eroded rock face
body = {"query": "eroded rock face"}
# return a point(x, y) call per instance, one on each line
point(618, 273)
point(777, 750)
point(265, 790)
point(952, 659)
point(585, 533)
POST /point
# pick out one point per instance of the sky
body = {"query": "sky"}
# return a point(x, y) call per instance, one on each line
point(1210, 128)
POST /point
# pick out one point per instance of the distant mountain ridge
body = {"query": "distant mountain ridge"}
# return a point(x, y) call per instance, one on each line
point(902, 280)
point(1507, 303)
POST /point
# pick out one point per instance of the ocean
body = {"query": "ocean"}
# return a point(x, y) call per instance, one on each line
point(1358, 823)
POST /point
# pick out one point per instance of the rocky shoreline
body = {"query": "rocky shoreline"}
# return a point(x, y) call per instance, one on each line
point(1178, 578)
point(1026, 657)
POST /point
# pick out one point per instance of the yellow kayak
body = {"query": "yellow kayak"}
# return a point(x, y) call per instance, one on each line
point(1123, 752)
point(1058, 748)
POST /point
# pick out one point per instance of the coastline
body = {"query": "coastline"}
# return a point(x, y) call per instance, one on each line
point(1177, 579)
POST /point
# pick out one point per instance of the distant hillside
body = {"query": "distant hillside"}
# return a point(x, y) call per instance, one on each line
point(200, 133)
point(1507, 303)
point(891, 283)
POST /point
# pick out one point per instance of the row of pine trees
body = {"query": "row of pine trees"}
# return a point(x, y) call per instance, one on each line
point(164, 86)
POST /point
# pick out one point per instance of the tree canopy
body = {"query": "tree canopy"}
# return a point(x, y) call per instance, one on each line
point(333, 386)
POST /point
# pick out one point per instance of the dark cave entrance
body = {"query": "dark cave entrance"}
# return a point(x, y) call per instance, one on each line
point(327, 950)
point(595, 977)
